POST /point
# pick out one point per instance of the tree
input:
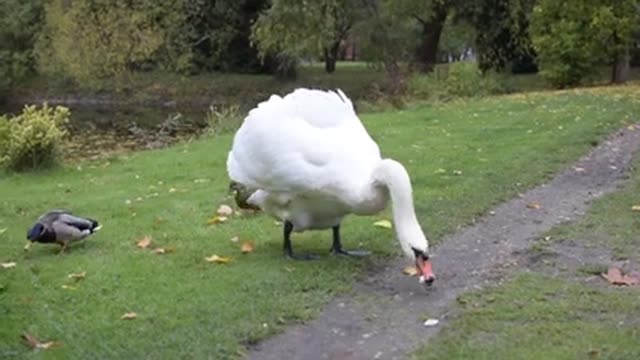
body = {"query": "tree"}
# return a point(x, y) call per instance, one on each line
point(19, 24)
point(291, 29)
point(502, 33)
point(92, 40)
point(430, 16)
point(574, 37)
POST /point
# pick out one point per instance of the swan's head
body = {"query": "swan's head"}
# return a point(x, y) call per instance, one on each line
point(416, 246)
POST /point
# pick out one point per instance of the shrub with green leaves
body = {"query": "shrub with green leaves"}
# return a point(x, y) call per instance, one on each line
point(31, 140)
point(460, 79)
point(572, 38)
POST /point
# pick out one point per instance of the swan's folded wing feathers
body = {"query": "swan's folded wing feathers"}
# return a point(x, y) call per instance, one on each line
point(310, 140)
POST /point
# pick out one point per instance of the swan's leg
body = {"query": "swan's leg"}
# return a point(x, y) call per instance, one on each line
point(337, 249)
point(288, 251)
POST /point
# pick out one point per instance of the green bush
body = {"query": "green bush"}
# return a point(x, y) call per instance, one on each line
point(573, 38)
point(31, 140)
point(460, 79)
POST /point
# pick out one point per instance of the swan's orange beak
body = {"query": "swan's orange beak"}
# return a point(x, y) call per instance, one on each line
point(424, 269)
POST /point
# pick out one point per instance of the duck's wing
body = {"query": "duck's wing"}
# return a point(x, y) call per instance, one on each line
point(310, 140)
point(68, 226)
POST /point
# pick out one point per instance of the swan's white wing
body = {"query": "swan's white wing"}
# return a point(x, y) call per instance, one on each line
point(308, 141)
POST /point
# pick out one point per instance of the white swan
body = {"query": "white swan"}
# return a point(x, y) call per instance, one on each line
point(309, 161)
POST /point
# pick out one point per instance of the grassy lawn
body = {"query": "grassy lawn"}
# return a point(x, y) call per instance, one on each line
point(464, 157)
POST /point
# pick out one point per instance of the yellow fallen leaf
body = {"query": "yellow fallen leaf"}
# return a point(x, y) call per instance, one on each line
point(383, 224)
point(534, 205)
point(34, 343)
point(69, 287)
point(247, 247)
point(440, 171)
point(224, 210)
point(410, 270)
point(77, 276)
point(218, 259)
point(161, 251)
point(635, 208)
point(2, 231)
point(217, 219)
point(8, 265)
point(172, 190)
point(235, 239)
point(129, 316)
point(144, 242)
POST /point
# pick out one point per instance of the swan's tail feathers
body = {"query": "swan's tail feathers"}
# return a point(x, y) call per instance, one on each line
point(318, 108)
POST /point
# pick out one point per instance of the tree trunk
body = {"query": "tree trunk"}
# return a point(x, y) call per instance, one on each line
point(427, 51)
point(331, 57)
point(620, 69)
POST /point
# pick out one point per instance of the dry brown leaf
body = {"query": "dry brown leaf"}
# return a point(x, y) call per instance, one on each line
point(129, 316)
point(410, 270)
point(34, 343)
point(615, 276)
point(383, 224)
point(534, 205)
point(218, 259)
point(144, 242)
point(635, 208)
point(77, 276)
point(217, 219)
point(8, 265)
point(247, 247)
point(224, 210)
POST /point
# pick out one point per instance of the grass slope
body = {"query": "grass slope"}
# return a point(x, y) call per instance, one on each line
point(463, 157)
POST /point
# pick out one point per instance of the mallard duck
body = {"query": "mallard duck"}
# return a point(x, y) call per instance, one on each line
point(307, 159)
point(61, 227)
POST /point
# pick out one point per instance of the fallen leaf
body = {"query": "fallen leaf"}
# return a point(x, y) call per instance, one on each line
point(224, 210)
point(8, 265)
point(218, 259)
point(34, 343)
point(77, 276)
point(129, 316)
point(615, 276)
point(247, 247)
point(162, 251)
point(534, 205)
point(3, 230)
point(457, 172)
point(635, 208)
point(410, 270)
point(235, 239)
point(431, 322)
point(578, 169)
point(383, 224)
point(440, 171)
point(69, 287)
point(217, 219)
point(144, 242)
point(172, 190)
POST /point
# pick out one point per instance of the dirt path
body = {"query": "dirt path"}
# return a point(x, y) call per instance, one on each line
point(384, 320)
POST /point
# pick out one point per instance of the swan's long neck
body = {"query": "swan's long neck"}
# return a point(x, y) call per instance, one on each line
point(394, 177)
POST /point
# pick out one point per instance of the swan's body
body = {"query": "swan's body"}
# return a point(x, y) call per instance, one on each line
point(309, 161)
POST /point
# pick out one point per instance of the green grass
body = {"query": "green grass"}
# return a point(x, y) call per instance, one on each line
point(189, 308)
point(536, 317)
